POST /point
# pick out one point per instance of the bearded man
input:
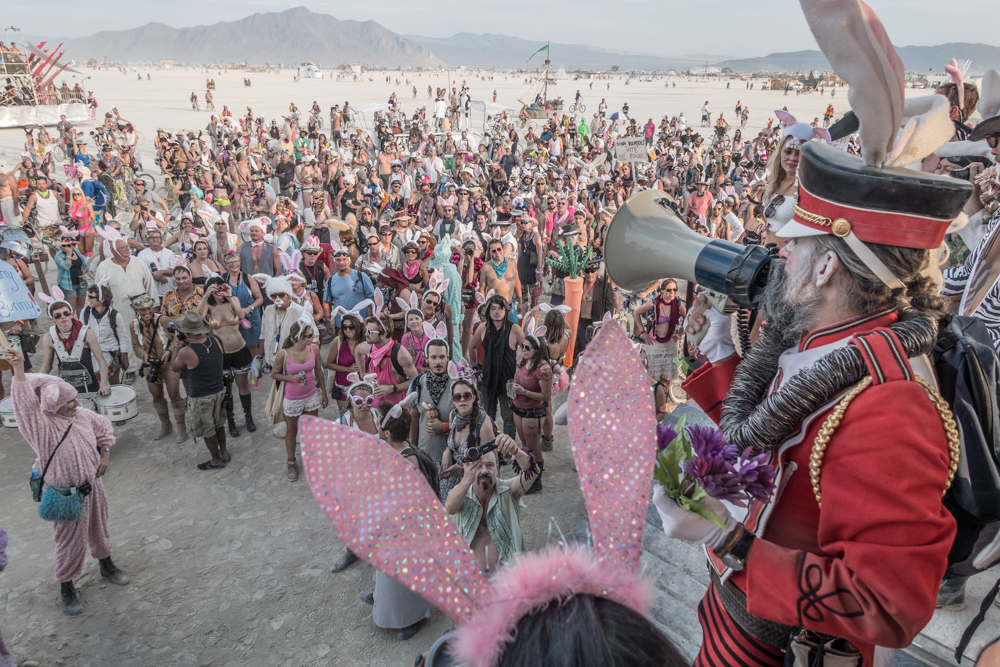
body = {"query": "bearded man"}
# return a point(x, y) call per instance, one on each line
point(857, 541)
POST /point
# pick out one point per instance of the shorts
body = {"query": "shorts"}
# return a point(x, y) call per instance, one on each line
point(205, 415)
point(75, 291)
point(296, 407)
point(238, 362)
point(537, 412)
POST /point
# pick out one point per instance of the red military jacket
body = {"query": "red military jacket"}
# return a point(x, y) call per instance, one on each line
point(865, 566)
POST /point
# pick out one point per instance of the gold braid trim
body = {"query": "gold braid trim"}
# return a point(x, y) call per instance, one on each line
point(833, 421)
point(812, 217)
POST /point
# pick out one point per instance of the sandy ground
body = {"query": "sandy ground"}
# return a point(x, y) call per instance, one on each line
point(233, 567)
point(164, 103)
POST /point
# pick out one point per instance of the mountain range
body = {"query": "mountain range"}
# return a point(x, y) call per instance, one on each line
point(291, 37)
point(298, 35)
point(915, 58)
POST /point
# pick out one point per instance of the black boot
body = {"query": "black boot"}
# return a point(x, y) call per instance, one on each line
point(536, 486)
point(70, 600)
point(245, 400)
point(233, 431)
point(113, 572)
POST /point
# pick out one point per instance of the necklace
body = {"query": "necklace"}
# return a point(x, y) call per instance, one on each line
point(500, 270)
point(208, 348)
point(589, 296)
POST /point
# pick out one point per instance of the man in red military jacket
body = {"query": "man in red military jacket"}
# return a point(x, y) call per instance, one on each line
point(854, 542)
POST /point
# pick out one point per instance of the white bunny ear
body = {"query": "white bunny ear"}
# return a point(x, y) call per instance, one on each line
point(544, 308)
point(429, 330)
point(58, 293)
point(489, 295)
point(415, 300)
point(178, 261)
point(353, 377)
point(821, 133)
point(245, 225)
point(563, 309)
point(785, 117)
point(378, 301)
point(339, 310)
point(480, 298)
point(928, 127)
point(441, 331)
point(371, 377)
point(855, 43)
point(989, 94)
point(540, 331)
point(402, 304)
point(362, 305)
point(43, 297)
point(286, 263)
point(261, 278)
point(452, 370)
point(530, 325)
point(607, 317)
point(296, 259)
point(444, 285)
point(408, 400)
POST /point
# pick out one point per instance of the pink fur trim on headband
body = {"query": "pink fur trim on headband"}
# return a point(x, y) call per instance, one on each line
point(535, 580)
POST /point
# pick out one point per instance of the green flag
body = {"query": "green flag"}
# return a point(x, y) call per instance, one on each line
point(544, 48)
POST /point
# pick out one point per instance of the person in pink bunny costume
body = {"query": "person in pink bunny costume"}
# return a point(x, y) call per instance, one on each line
point(47, 412)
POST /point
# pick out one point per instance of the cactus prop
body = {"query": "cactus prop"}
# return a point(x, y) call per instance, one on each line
point(572, 259)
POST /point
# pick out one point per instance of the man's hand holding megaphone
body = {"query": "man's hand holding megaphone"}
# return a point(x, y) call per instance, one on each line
point(715, 342)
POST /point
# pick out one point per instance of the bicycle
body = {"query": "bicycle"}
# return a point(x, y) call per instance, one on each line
point(577, 107)
point(148, 179)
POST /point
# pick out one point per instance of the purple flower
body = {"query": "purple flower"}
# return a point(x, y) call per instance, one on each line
point(665, 434)
point(708, 442)
point(757, 474)
point(718, 478)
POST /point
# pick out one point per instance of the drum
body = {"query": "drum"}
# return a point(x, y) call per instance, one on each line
point(120, 405)
point(7, 412)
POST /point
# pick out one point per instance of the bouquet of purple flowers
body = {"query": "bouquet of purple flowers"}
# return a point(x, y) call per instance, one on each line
point(696, 461)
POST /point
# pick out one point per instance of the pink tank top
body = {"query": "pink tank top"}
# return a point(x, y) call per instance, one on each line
point(344, 358)
point(385, 374)
point(293, 390)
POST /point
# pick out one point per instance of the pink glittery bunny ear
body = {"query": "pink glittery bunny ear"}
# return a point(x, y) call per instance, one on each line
point(855, 42)
point(370, 377)
point(612, 430)
point(397, 538)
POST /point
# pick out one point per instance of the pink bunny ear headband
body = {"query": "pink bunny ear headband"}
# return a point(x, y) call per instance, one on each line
point(57, 298)
point(435, 333)
point(407, 535)
point(461, 371)
point(800, 133)
point(367, 382)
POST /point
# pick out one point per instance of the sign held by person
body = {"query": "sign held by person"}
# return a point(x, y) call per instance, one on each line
point(16, 302)
point(630, 149)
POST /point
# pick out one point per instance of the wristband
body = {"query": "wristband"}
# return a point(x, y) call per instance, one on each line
point(445, 426)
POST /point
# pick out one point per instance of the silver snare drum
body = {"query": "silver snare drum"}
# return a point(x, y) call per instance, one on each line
point(120, 405)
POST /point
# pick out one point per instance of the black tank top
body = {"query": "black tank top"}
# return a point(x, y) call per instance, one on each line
point(205, 379)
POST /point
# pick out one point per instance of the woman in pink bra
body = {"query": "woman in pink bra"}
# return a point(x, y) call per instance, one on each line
point(298, 365)
point(660, 342)
point(82, 215)
point(340, 359)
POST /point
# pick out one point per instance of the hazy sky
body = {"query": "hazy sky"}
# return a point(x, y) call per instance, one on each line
point(724, 27)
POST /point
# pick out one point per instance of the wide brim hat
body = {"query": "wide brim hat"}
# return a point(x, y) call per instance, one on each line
point(985, 128)
point(143, 301)
point(393, 278)
point(192, 323)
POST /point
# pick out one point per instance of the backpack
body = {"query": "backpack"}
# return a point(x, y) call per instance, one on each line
point(968, 371)
point(112, 314)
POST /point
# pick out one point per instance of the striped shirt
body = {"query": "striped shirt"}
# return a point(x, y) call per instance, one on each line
point(956, 282)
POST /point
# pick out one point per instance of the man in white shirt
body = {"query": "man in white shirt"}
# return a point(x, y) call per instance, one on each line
point(433, 165)
point(160, 261)
point(128, 277)
point(704, 114)
point(283, 239)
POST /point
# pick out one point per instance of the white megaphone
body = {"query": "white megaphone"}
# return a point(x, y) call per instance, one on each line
point(647, 241)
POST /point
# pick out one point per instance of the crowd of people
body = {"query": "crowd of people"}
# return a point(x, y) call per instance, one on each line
point(438, 295)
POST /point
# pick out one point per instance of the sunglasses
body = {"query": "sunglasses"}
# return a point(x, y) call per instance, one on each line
point(308, 252)
point(60, 315)
point(386, 234)
point(411, 251)
point(421, 242)
point(372, 332)
point(669, 289)
point(773, 205)
point(461, 398)
point(432, 303)
point(590, 270)
point(992, 140)
point(495, 251)
point(527, 347)
point(367, 400)
point(348, 327)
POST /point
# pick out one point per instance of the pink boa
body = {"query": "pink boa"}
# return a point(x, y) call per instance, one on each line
point(535, 580)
